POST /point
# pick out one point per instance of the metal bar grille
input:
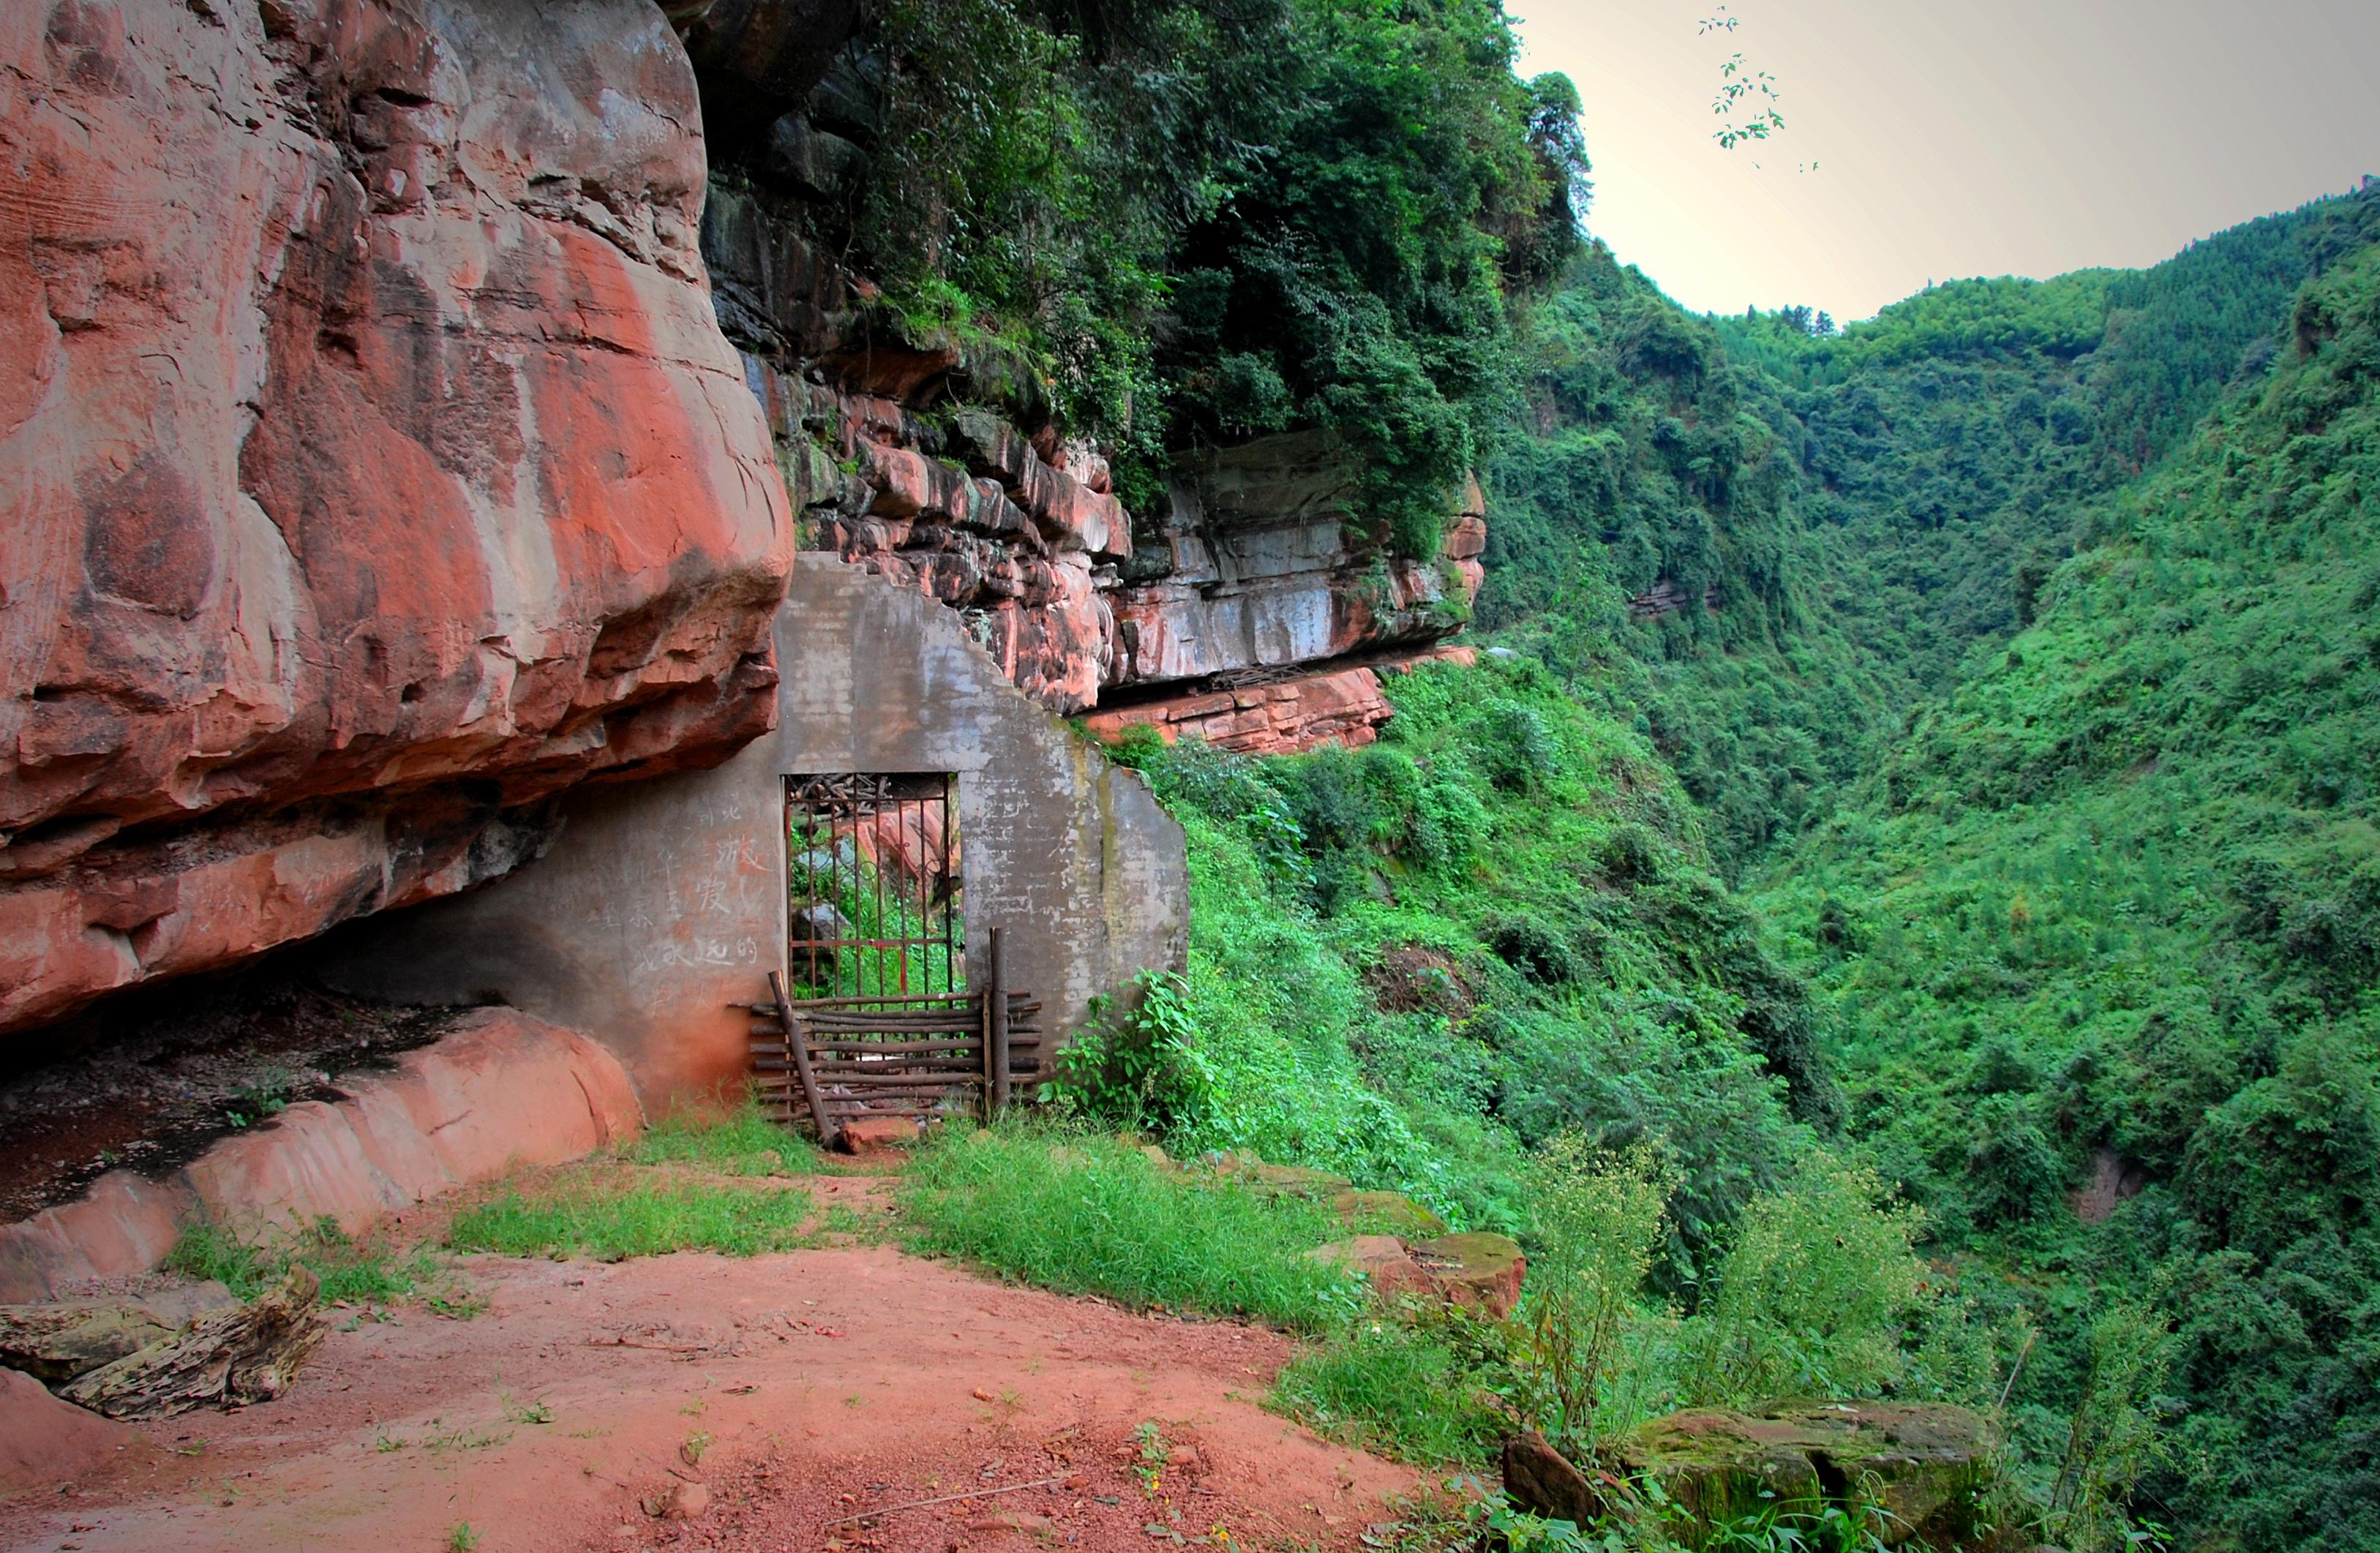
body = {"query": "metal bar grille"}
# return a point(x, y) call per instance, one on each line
point(873, 908)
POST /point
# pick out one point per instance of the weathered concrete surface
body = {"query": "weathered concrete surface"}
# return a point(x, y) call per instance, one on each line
point(367, 441)
point(501, 1089)
point(663, 904)
point(1261, 573)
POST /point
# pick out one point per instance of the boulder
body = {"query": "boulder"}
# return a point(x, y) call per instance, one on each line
point(1481, 1271)
point(1383, 1261)
point(1920, 1468)
point(1543, 1481)
point(396, 481)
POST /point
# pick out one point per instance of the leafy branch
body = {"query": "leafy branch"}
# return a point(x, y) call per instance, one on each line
point(1746, 102)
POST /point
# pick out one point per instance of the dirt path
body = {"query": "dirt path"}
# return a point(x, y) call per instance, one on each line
point(795, 1390)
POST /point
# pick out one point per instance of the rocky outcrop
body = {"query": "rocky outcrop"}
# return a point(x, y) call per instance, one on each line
point(1913, 1474)
point(501, 1090)
point(1482, 1271)
point(1275, 714)
point(1252, 563)
point(1270, 717)
point(1255, 567)
point(964, 510)
point(373, 466)
point(1667, 596)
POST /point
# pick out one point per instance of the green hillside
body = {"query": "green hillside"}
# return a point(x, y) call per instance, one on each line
point(2085, 925)
point(2115, 906)
point(1845, 516)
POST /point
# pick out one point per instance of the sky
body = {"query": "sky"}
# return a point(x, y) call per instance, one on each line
point(1930, 139)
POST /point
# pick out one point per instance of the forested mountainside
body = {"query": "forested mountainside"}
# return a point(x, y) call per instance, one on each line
point(2102, 932)
point(2092, 917)
point(1771, 542)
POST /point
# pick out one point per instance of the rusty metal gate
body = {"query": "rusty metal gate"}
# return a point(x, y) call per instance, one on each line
point(873, 1016)
point(872, 885)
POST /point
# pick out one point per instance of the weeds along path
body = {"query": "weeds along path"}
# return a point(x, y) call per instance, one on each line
point(752, 1402)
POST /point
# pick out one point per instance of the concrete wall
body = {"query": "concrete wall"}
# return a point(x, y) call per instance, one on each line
point(665, 900)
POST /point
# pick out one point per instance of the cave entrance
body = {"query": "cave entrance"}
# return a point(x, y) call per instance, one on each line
point(872, 886)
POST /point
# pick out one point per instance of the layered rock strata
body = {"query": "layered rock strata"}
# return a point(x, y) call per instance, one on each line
point(967, 511)
point(371, 464)
point(1275, 716)
point(1255, 568)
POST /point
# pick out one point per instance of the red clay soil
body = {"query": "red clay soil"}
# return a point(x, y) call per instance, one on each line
point(798, 1392)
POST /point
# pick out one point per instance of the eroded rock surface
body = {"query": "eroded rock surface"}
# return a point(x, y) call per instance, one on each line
point(1257, 570)
point(1915, 1470)
point(501, 1090)
point(373, 464)
point(1276, 712)
point(936, 461)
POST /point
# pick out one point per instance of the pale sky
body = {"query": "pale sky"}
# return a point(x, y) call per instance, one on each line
point(1954, 138)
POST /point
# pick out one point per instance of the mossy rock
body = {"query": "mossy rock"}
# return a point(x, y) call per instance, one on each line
point(1480, 1269)
point(1279, 1180)
point(1919, 1469)
point(1387, 1212)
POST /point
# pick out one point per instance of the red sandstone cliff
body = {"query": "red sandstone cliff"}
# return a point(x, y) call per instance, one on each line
point(371, 461)
point(375, 461)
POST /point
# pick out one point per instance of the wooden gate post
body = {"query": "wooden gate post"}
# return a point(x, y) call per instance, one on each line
point(996, 1030)
point(798, 1046)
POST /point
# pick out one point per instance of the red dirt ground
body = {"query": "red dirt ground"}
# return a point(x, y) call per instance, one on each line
point(799, 1391)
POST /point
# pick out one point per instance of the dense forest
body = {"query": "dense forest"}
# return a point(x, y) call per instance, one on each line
point(1910, 831)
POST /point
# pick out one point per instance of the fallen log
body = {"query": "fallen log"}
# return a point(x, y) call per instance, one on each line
point(224, 1358)
point(58, 1339)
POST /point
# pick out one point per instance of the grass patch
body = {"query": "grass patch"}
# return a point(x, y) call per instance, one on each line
point(611, 1220)
point(742, 1142)
point(248, 1265)
point(1396, 1390)
point(1087, 1215)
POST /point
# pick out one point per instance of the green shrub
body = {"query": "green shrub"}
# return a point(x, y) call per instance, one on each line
point(1597, 1218)
point(250, 1264)
point(1395, 1388)
point(1085, 1213)
point(609, 1219)
point(1127, 1069)
point(1814, 1296)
